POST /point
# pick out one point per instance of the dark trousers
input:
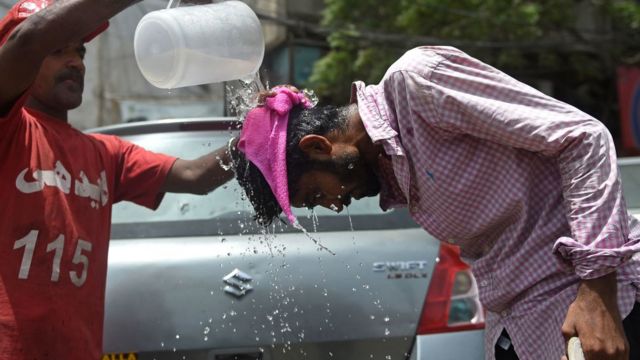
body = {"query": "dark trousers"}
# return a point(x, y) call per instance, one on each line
point(631, 329)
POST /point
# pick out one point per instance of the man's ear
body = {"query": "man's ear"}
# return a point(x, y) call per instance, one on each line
point(316, 147)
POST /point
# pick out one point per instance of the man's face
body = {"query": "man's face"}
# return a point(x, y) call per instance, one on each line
point(60, 81)
point(333, 183)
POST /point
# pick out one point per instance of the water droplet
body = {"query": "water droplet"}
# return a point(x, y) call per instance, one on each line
point(184, 208)
point(244, 97)
point(311, 95)
point(177, 336)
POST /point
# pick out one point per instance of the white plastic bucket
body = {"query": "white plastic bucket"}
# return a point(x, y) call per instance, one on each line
point(200, 44)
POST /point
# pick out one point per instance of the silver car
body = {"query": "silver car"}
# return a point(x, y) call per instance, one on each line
point(630, 175)
point(197, 279)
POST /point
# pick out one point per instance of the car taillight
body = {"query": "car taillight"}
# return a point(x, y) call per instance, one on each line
point(452, 302)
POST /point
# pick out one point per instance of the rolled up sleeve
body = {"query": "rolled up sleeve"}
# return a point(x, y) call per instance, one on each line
point(465, 96)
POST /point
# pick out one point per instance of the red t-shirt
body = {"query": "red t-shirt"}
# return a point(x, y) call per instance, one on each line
point(57, 186)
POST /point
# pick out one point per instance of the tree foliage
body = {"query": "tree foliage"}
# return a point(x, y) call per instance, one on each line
point(574, 44)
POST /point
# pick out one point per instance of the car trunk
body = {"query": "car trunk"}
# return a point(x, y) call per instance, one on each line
point(166, 296)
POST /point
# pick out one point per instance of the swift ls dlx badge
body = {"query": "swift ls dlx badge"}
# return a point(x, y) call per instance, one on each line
point(414, 269)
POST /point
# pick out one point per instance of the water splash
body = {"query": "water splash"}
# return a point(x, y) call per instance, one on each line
point(244, 97)
point(353, 234)
point(314, 218)
point(311, 95)
point(253, 80)
point(267, 239)
point(315, 241)
point(225, 167)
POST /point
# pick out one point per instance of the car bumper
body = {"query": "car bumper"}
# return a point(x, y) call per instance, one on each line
point(468, 345)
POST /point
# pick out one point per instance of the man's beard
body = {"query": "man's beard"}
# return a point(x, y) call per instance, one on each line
point(351, 168)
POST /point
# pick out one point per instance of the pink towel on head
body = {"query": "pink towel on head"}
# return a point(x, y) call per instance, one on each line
point(263, 140)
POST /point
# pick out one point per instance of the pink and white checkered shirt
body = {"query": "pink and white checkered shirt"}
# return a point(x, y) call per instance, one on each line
point(526, 185)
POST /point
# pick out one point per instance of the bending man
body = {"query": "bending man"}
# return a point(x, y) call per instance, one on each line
point(526, 185)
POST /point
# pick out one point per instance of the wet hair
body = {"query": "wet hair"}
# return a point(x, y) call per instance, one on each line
point(317, 121)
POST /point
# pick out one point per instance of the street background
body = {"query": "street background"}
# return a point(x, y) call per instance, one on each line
point(586, 53)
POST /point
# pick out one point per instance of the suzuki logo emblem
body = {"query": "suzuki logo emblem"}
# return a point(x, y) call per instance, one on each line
point(237, 283)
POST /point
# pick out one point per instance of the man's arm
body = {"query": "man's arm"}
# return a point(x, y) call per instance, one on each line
point(202, 175)
point(44, 32)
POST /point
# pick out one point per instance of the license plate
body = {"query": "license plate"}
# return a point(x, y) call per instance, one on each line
point(120, 356)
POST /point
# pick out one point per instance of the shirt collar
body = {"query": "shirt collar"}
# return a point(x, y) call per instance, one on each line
point(391, 196)
point(374, 113)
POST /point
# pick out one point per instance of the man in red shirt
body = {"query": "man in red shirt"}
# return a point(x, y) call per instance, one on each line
point(58, 184)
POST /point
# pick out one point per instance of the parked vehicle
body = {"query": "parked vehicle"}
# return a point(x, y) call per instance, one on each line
point(630, 175)
point(197, 279)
